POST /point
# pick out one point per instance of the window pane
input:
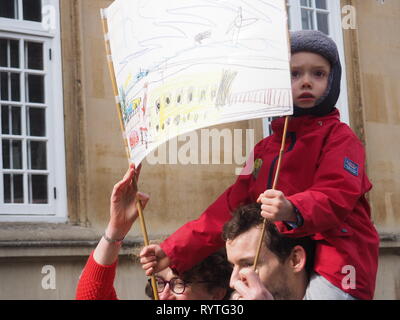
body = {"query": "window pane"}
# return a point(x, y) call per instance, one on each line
point(16, 154)
point(16, 121)
point(307, 19)
point(8, 9)
point(322, 20)
point(306, 3)
point(35, 88)
point(5, 120)
point(38, 187)
point(13, 159)
point(6, 79)
point(3, 52)
point(6, 154)
point(7, 188)
point(37, 150)
point(34, 55)
point(320, 4)
point(37, 122)
point(15, 87)
point(4, 85)
point(18, 184)
point(9, 53)
point(32, 10)
point(14, 52)
point(13, 188)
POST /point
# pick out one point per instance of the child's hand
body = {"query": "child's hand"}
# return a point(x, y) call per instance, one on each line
point(275, 206)
point(153, 259)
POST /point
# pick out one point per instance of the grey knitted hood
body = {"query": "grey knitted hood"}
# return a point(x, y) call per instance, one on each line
point(319, 43)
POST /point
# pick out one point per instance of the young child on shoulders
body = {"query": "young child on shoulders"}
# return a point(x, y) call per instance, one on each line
point(321, 189)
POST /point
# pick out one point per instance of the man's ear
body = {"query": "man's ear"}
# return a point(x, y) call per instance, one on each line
point(297, 259)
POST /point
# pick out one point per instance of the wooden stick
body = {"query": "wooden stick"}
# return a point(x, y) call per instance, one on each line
point(118, 105)
point(146, 243)
point(278, 167)
point(113, 80)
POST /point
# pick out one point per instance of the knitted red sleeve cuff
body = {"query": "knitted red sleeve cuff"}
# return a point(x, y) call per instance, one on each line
point(97, 281)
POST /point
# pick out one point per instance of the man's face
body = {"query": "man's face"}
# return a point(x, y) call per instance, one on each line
point(273, 274)
point(310, 74)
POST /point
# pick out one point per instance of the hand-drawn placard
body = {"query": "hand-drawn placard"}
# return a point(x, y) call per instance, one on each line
point(182, 65)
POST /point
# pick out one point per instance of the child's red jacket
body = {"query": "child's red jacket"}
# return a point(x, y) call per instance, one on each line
point(323, 174)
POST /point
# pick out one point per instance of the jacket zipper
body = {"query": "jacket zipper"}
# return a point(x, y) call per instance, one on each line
point(273, 163)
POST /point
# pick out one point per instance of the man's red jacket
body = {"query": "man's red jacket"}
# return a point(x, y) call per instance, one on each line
point(323, 174)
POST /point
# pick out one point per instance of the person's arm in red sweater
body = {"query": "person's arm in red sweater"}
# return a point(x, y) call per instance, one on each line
point(96, 281)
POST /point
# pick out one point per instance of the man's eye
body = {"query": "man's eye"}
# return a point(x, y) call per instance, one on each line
point(247, 265)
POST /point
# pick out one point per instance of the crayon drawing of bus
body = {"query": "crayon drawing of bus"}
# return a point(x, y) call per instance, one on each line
point(188, 101)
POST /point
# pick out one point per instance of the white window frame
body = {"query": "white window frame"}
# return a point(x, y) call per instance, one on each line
point(336, 33)
point(55, 211)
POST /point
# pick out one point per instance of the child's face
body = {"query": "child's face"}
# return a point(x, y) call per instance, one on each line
point(310, 73)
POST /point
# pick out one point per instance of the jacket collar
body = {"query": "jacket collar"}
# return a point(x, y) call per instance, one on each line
point(304, 123)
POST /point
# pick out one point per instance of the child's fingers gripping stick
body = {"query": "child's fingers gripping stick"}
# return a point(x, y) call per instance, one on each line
point(147, 254)
point(269, 194)
point(153, 259)
point(148, 259)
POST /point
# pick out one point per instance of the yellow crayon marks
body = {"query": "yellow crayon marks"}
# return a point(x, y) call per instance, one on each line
point(185, 100)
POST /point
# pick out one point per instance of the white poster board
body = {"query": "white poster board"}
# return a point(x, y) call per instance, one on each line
point(182, 65)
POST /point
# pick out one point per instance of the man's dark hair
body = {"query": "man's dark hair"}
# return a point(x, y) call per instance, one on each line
point(215, 269)
point(249, 216)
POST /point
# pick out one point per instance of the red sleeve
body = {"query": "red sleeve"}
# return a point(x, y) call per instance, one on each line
point(96, 281)
point(339, 183)
point(199, 238)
